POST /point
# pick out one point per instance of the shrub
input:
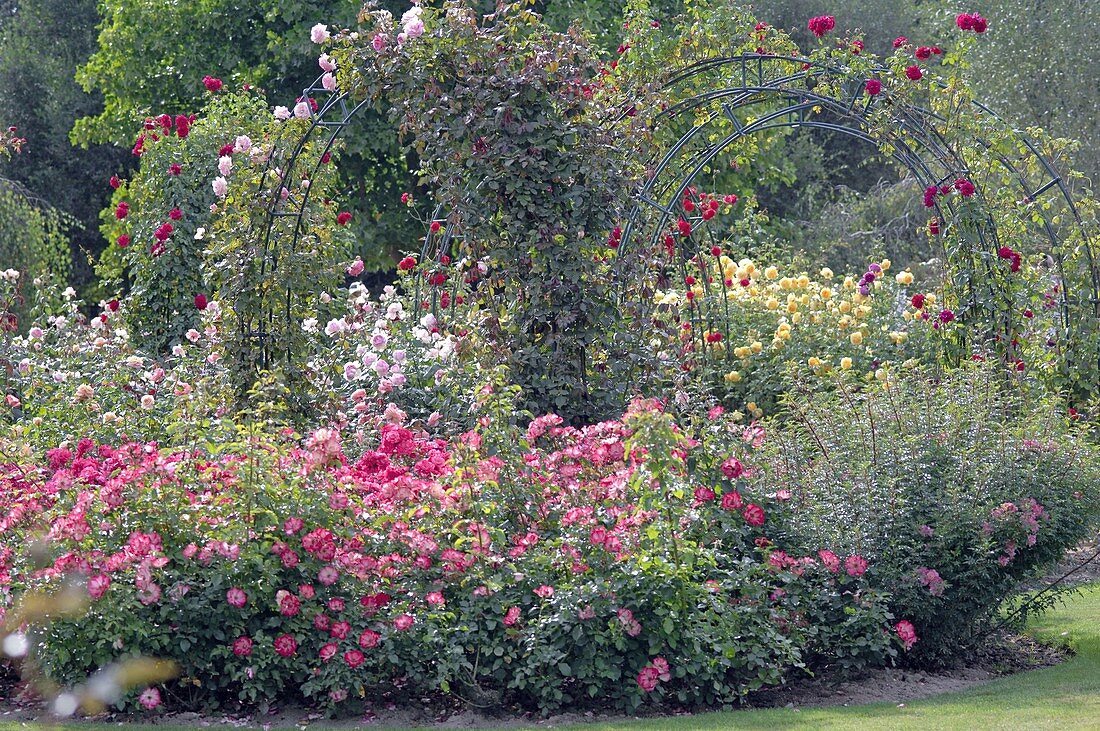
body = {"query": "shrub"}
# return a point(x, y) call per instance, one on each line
point(618, 563)
point(956, 489)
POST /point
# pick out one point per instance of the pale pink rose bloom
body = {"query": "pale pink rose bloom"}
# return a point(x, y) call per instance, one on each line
point(193, 335)
point(329, 82)
point(356, 267)
point(220, 186)
point(225, 164)
point(147, 402)
point(415, 29)
point(243, 143)
point(282, 114)
point(326, 63)
point(301, 110)
point(319, 33)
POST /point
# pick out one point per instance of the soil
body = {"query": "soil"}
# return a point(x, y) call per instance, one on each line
point(1005, 654)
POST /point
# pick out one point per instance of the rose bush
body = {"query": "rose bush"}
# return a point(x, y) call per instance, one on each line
point(617, 563)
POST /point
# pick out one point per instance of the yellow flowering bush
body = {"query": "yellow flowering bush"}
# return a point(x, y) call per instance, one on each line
point(745, 331)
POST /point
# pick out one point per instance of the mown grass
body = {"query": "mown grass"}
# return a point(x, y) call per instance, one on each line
point(1063, 697)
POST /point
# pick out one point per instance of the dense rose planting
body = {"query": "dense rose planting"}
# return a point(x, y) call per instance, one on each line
point(552, 574)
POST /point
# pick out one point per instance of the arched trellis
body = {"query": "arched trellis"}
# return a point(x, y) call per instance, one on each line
point(757, 93)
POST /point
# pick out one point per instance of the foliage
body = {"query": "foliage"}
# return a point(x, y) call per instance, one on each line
point(41, 43)
point(33, 238)
point(956, 489)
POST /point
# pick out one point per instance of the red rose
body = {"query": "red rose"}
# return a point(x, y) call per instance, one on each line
point(343, 217)
point(753, 515)
point(684, 227)
point(434, 227)
point(407, 264)
point(114, 182)
point(124, 241)
point(175, 169)
point(900, 41)
point(821, 25)
point(285, 645)
point(354, 658)
point(200, 301)
point(183, 126)
point(873, 87)
point(914, 73)
point(175, 214)
point(965, 187)
point(917, 301)
point(211, 83)
point(122, 210)
point(923, 53)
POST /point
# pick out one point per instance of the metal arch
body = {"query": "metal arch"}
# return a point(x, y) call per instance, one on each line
point(917, 144)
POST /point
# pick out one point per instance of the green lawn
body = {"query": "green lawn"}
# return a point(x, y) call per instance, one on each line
point(1062, 697)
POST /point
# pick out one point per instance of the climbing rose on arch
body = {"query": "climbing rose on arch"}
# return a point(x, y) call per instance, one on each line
point(821, 25)
point(873, 87)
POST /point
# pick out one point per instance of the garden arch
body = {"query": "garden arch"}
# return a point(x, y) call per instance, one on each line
point(755, 93)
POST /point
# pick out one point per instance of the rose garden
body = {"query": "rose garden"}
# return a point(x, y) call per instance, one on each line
point(578, 410)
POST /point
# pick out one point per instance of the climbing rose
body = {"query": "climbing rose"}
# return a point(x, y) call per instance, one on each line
point(211, 83)
point(873, 87)
point(122, 210)
point(406, 264)
point(684, 227)
point(343, 217)
point(123, 240)
point(965, 187)
point(200, 301)
point(821, 25)
point(183, 126)
point(914, 73)
point(900, 41)
point(923, 53)
point(285, 645)
point(732, 501)
point(356, 267)
point(971, 21)
point(114, 182)
point(319, 33)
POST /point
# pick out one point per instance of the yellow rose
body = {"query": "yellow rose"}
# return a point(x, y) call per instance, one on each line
point(826, 273)
point(772, 303)
point(813, 361)
point(856, 338)
point(771, 273)
point(846, 363)
point(826, 293)
point(757, 346)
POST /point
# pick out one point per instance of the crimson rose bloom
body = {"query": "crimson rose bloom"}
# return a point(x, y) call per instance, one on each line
point(873, 87)
point(343, 217)
point(965, 187)
point(918, 301)
point(242, 646)
point(285, 645)
point(122, 210)
point(821, 25)
point(914, 73)
point(753, 515)
point(211, 83)
point(200, 301)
